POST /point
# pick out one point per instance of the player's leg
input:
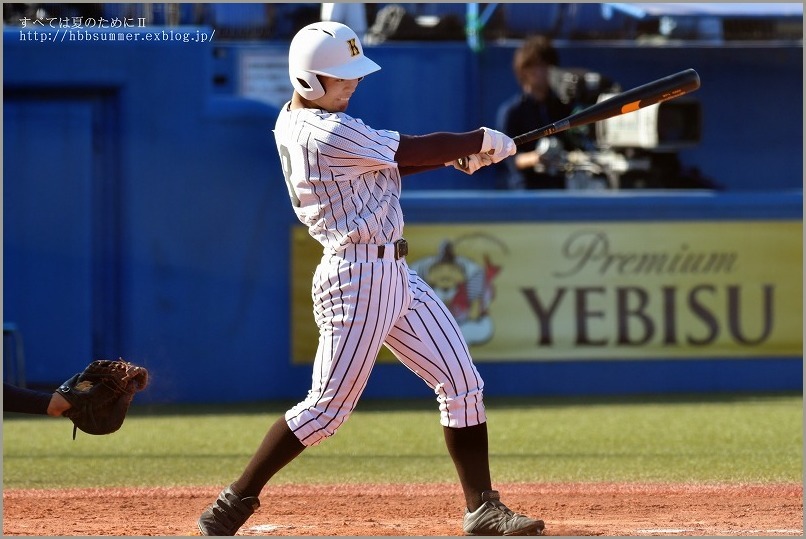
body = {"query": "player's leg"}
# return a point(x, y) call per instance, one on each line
point(429, 342)
point(236, 503)
point(354, 307)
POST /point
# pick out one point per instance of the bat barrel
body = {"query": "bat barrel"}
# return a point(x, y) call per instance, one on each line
point(642, 96)
point(639, 97)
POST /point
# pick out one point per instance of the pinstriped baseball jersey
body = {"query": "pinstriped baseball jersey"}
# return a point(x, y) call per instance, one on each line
point(344, 184)
point(341, 175)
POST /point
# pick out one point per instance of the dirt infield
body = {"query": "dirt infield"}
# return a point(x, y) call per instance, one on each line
point(424, 510)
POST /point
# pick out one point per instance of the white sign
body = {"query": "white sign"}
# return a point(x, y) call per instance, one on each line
point(263, 76)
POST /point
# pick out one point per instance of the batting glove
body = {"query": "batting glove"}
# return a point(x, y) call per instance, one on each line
point(471, 163)
point(497, 145)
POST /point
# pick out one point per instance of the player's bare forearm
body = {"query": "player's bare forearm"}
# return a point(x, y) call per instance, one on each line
point(436, 149)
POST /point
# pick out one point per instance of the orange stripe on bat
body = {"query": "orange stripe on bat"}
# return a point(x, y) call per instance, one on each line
point(629, 107)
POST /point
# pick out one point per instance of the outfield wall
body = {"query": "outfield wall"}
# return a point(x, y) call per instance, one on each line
point(141, 218)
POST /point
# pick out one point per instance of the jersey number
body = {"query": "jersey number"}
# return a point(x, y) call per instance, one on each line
point(285, 161)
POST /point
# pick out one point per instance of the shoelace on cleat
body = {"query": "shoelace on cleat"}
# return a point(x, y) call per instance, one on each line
point(504, 509)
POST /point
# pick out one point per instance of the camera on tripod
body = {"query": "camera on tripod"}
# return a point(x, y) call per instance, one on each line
point(636, 150)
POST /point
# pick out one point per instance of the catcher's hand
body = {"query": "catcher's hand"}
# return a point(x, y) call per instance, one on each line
point(99, 396)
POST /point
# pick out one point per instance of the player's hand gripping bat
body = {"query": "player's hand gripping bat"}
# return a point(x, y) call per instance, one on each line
point(643, 96)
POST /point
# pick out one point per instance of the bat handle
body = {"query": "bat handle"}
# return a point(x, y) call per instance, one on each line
point(546, 131)
point(551, 129)
point(464, 162)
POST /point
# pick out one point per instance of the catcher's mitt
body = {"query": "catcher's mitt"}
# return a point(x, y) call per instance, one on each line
point(99, 396)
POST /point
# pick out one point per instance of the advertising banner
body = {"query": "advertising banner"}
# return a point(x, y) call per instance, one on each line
point(600, 290)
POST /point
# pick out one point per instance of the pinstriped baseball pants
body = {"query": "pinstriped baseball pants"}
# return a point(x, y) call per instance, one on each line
point(362, 303)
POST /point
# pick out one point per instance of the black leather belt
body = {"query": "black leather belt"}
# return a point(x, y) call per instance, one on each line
point(401, 249)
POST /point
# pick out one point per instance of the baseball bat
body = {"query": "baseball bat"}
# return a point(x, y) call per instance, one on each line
point(648, 94)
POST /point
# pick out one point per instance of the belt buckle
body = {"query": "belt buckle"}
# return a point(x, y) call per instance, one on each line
point(401, 248)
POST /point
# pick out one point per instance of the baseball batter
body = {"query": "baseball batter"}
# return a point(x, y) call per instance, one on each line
point(344, 182)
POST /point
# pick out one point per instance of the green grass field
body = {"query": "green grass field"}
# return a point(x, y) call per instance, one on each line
point(725, 438)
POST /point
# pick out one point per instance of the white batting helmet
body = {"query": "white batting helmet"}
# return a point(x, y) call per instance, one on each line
point(325, 48)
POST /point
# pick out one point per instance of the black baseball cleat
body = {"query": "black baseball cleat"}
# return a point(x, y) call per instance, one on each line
point(495, 518)
point(227, 514)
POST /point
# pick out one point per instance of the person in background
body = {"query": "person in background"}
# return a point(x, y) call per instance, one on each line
point(535, 106)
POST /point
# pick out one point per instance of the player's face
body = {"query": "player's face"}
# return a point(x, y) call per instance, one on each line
point(337, 93)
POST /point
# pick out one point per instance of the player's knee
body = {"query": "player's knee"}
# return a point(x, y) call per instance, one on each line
point(312, 426)
point(461, 409)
